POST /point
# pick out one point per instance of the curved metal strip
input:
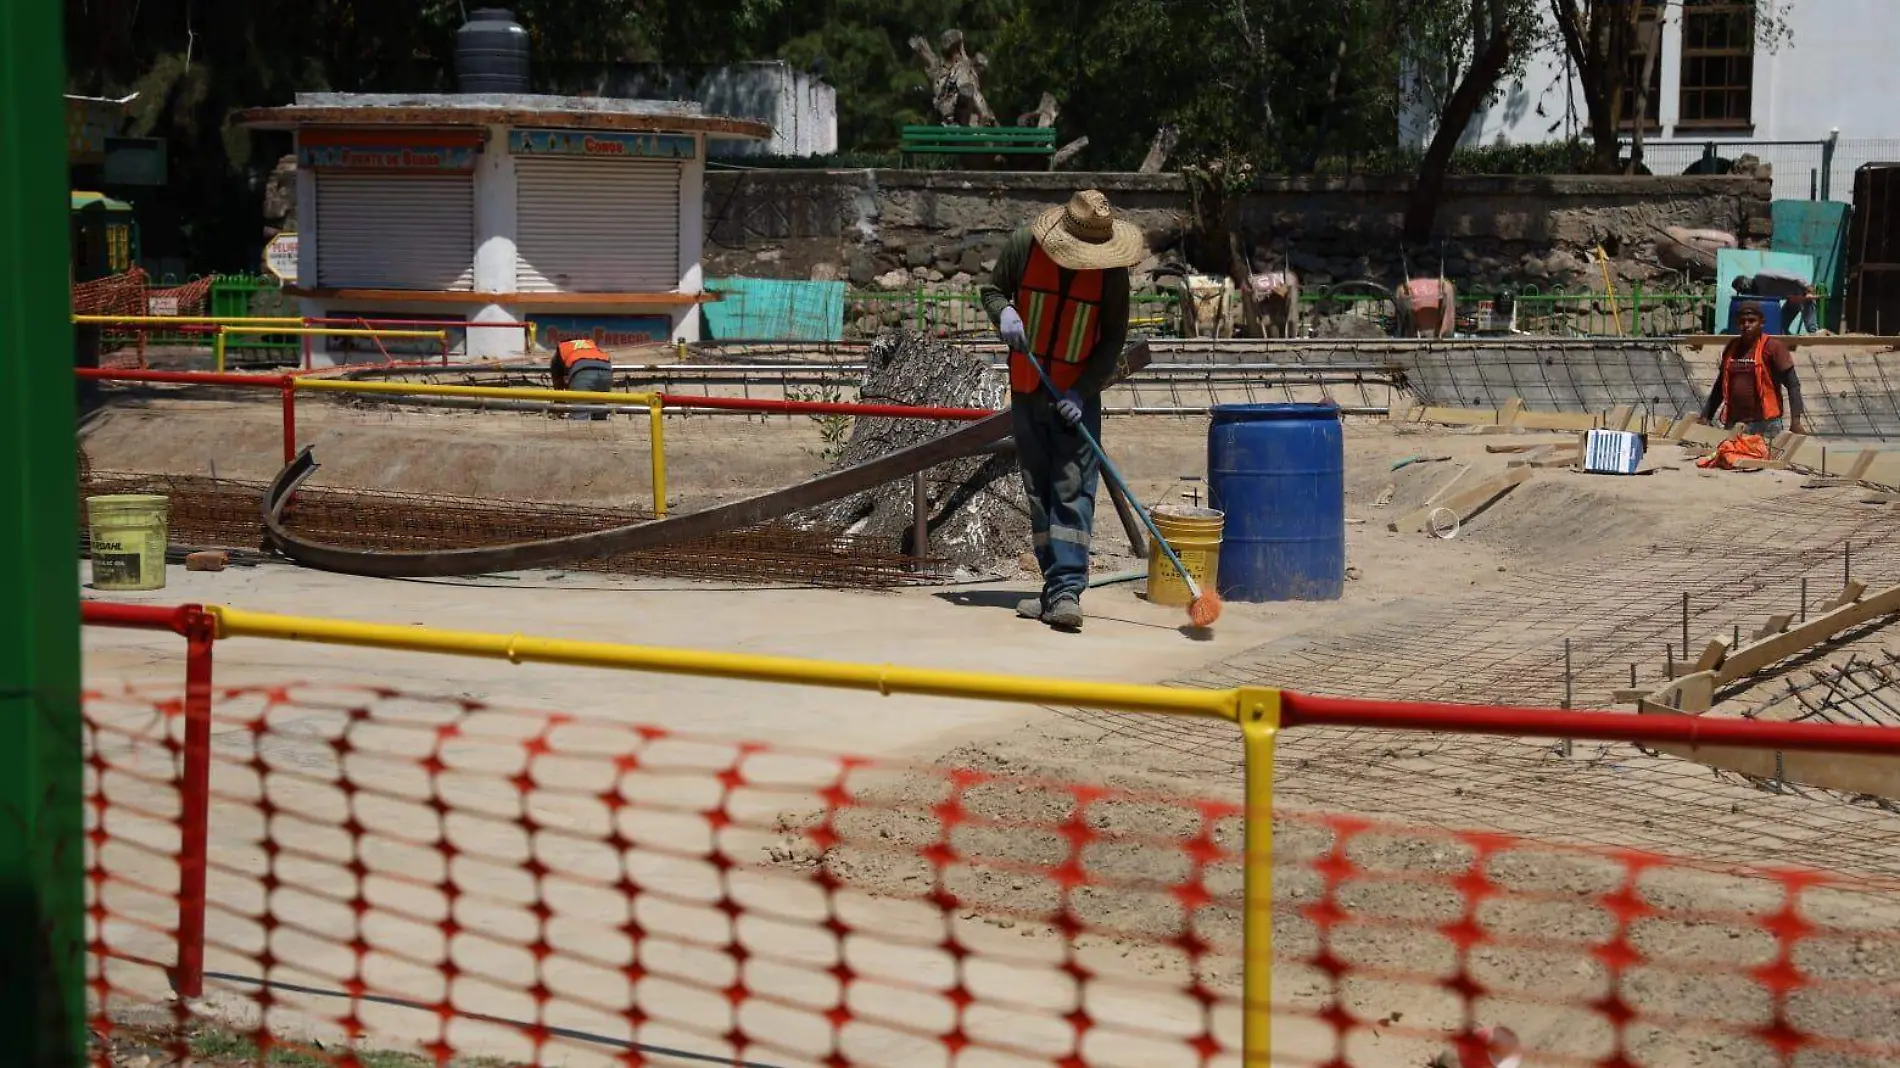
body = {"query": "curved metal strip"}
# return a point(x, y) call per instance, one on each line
point(971, 438)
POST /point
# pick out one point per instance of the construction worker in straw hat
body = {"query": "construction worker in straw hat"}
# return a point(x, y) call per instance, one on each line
point(1060, 291)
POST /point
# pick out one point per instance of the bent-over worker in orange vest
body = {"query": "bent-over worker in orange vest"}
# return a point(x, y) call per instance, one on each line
point(1060, 291)
point(580, 365)
point(1747, 391)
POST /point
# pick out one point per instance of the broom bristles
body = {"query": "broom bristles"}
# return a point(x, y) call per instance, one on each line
point(1205, 609)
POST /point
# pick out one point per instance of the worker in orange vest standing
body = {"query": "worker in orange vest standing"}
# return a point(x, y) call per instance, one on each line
point(1060, 291)
point(1747, 391)
point(580, 365)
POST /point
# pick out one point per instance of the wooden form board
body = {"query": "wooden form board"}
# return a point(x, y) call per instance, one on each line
point(1694, 694)
point(1874, 467)
point(1855, 773)
point(1464, 502)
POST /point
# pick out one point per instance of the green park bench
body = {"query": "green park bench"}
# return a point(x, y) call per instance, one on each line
point(976, 141)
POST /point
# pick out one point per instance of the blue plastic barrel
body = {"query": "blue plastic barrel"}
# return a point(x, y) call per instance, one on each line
point(1278, 471)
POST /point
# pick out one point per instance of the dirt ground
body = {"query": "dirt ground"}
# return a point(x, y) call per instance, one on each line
point(1571, 578)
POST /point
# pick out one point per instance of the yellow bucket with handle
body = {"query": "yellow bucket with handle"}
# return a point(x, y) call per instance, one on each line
point(129, 531)
point(1194, 534)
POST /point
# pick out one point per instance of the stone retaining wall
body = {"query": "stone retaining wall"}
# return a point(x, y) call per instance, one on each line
point(895, 228)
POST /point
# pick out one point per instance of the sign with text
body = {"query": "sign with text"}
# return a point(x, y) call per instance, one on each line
point(601, 144)
point(428, 159)
point(161, 305)
point(280, 257)
point(607, 331)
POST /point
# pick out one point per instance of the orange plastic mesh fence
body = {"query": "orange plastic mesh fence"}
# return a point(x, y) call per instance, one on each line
point(391, 873)
point(129, 294)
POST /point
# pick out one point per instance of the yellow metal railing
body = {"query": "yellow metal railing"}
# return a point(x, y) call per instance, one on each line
point(653, 403)
point(228, 329)
point(1256, 710)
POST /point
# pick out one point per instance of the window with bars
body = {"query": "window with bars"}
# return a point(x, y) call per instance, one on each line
point(1718, 64)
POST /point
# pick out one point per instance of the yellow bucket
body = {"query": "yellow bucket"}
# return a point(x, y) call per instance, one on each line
point(128, 540)
point(1194, 534)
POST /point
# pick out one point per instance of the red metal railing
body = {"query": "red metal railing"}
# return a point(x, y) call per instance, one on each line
point(200, 629)
point(285, 383)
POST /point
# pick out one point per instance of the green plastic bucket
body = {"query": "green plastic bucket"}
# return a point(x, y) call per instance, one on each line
point(128, 540)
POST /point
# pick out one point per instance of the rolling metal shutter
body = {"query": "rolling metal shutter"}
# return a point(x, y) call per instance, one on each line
point(389, 231)
point(596, 226)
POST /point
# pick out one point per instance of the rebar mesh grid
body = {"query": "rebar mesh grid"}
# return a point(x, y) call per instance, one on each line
point(221, 512)
point(1506, 645)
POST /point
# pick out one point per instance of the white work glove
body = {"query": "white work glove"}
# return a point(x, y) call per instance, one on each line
point(1009, 327)
point(1069, 407)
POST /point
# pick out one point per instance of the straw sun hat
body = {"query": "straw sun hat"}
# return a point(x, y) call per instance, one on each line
point(1084, 235)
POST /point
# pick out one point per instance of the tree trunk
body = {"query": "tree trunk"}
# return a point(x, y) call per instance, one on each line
point(1487, 66)
point(1640, 112)
point(976, 512)
point(1590, 41)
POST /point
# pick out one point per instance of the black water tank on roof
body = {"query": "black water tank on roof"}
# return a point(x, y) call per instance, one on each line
point(491, 53)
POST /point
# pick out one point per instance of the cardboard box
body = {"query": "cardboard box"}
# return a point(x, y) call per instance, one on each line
point(1612, 452)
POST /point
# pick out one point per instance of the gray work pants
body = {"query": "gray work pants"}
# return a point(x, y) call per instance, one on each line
point(1059, 473)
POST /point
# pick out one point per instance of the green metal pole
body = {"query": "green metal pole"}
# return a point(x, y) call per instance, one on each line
point(42, 868)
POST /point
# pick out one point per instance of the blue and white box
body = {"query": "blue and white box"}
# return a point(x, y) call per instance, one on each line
point(1612, 452)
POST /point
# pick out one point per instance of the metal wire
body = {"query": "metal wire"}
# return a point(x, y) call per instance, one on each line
point(1506, 645)
point(220, 512)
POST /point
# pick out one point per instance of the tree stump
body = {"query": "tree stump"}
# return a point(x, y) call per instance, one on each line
point(977, 517)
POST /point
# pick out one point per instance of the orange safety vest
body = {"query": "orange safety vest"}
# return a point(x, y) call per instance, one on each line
point(580, 350)
point(1764, 383)
point(1062, 314)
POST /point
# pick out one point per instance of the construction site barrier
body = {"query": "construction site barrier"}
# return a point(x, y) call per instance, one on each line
point(476, 881)
point(656, 403)
point(302, 328)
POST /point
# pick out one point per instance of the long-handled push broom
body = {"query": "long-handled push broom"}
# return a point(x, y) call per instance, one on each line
point(1203, 605)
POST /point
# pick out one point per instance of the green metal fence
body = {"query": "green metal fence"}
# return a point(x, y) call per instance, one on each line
point(1632, 312)
point(257, 296)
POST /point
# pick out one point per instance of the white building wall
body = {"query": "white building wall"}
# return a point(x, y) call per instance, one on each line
point(686, 324)
point(494, 245)
point(1832, 72)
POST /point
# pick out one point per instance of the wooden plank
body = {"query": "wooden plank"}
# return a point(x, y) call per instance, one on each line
point(1626, 696)
point(1679, 427)
point(1619, 417)
point(1749, 463)
point(1529, 446)
point(1791, 449)
point(1712, 655)
point(1775, 625)
point(1752, 658)
point(1459, 416)
point(1561, 459)
point(1710, 436)
point(1853, 773)
point(1531, 459)
point(1465, 502)
point(1858, 469)
point(1507, 415)
point(1556, 421)
point(1885, 470)
point(1848, 595)
point(1692, 693)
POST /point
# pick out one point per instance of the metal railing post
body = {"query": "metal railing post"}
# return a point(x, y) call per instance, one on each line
point(217, 351)
point(289, 388)
point(656, 423)
point(1259, 728)
point(194, 790)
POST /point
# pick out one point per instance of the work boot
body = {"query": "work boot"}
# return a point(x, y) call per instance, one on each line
point(1064, 612)
point(1029, 608)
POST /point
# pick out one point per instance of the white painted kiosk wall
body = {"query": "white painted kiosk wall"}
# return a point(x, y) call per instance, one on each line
point(582, 215)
